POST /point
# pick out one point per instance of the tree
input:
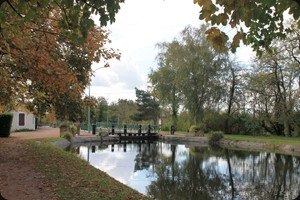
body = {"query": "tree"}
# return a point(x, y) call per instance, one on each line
point(198, 72)
point(275, 88)
point(148, 107)
point(75, 20)
point(264, 20)
point(126, 108)
point(164, 84)
point(42, 63)
point(101, 110)
point(192, 74)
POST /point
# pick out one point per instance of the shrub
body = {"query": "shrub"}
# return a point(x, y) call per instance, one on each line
point(194, 129)
point(215, 137)
point(73, 129)
point(166, 128)
point(5, 124)
point(67, 135)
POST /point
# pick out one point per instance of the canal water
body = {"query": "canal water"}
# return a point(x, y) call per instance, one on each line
point(175, 171)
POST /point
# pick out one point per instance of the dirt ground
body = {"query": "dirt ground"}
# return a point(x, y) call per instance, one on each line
point(18, 178)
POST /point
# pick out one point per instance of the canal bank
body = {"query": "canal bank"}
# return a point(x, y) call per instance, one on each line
point(235, 144)
point(191, 141)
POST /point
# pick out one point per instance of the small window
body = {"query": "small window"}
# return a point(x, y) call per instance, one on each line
point(21, 119)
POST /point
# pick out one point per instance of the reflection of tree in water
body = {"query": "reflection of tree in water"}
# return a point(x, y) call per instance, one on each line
point(247, 175)
point(186, 180)
point(266, 175)
point(147, 155)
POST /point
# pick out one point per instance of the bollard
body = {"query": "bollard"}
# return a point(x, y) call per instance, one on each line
point(172, 130)
point(124, 147)
point(112, 129)
point(140, 130)
point(93, 149)
point(94, 129)
point(125, 130)
point(112, 148)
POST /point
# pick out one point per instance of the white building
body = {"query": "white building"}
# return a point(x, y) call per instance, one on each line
point(23, 120)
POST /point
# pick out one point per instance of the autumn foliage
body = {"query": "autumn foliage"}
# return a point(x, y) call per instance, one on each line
point(44, 67)
point(254, 22)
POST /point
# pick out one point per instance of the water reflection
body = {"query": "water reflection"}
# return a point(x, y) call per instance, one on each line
point(167, 171)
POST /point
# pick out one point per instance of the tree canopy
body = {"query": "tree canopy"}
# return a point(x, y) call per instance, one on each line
point(147, 107)
point(75, 18)
point(256, 22)
point(43, 64)
point(189, 74)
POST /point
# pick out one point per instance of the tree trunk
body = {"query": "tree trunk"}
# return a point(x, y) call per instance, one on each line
point(231, 95)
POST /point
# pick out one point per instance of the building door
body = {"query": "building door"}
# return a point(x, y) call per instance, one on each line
point(21, 119)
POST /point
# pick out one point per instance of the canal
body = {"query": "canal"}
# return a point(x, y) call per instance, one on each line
point(176, 171)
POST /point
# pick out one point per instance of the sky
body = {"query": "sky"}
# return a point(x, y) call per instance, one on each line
point(139, 26)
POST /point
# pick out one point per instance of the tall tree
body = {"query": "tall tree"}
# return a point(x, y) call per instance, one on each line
point(148, 107)
point(164, 84)
point(198, 73)
point(191, 73)
point(275, 88)
point(263, 19)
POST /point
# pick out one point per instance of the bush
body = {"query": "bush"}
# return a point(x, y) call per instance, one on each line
point(166, 128)
point(5, 124)
point(67, 135)
point(215, 137)
point(194, 129)
point(73, 129)
point(214, 120)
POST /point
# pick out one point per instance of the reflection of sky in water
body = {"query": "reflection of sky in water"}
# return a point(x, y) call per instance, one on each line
point(119, 165)
point(248, 170)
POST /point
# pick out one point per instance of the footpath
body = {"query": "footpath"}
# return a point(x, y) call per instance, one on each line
point(43, 132)
point(18, 178)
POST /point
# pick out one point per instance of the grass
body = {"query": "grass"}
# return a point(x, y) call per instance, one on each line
point(274, 140)
point(73, 178)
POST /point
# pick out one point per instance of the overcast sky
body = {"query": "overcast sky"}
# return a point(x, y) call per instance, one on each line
point(140, 24)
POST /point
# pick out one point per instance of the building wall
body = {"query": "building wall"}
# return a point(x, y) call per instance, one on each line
point(29, 121)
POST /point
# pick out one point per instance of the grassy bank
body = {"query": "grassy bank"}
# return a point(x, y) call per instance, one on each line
point(273, 140)
point(73, 178)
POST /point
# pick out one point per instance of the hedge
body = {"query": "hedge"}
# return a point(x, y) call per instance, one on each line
point(5, 124)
